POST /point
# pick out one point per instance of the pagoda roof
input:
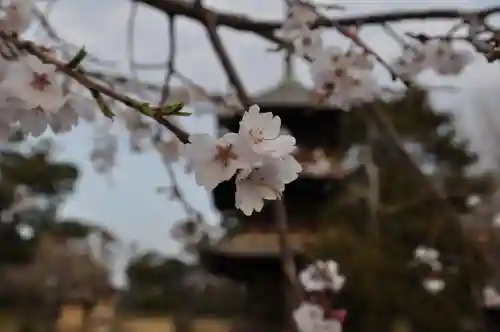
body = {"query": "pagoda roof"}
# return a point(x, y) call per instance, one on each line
point(289, 94)
point(259, 244)
point(238, 256)
point(286, 92)
point(310, 191)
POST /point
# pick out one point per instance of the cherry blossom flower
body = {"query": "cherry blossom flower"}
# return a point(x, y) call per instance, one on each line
point(322, 276)
point(18, 16)
point(344, 78)
point(429, 256)
point(331, 325)
point(412, 61)
point(354, 88)
point(259, 154)
point(491, 297)
point(361, 59)
point(496, 221)
point(473, 200)
point(262, 132)
point(308, 43)
point(433, 285)
point(264, 183)
point(214, 160)
point(299, 17)
point(445, 59)
point(333, 58)
point(35, 83)
point(308, 317)
point(26, 232)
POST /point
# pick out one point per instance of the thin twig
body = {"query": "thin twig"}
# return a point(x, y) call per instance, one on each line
point(134, 9)
point(372, 173)
point(228, 66)
point(172, 52)
point(392, 33)
point(287, 254)
point(177, 193)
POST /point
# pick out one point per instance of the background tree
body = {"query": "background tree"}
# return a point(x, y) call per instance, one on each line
point(48, 180)
point(375, 241)
point(46, 261)
point(159, 284)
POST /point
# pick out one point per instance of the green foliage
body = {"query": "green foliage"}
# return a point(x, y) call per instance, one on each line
point(155, 282)
point(53, 180)
point(382, 286)
point(159, 284)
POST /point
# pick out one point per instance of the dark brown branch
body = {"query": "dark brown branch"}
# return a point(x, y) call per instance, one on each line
point(228, 66)
point(287, 256)
point(265, 28)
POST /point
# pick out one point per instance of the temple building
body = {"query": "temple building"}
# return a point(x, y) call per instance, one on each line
point(250, 252)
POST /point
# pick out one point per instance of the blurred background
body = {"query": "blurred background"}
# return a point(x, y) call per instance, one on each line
point(120, 248)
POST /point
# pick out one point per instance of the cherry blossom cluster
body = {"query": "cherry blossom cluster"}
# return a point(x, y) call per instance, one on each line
point(344, 78)
point(316, 314)
point(258, 157)
point(322, 276)
point(435, 284)
point(430, 257)
point(32, 97)
point(438, 55)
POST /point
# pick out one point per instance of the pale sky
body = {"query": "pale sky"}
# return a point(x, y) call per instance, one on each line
point(128, 204)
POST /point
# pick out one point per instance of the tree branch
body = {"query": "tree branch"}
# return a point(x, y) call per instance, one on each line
point(80, 76)
point(287, 255)
point(265, 28)
point(208, 22)
point(172, 49)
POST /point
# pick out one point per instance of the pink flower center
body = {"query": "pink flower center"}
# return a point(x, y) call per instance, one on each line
point(225, 154)
point(40, 81)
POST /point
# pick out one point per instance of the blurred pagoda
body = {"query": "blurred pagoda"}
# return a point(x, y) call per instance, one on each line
point(250, 252)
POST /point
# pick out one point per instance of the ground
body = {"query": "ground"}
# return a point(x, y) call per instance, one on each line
point(70, 322)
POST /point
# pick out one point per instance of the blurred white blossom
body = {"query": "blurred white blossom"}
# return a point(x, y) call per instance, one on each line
point(322, 275)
